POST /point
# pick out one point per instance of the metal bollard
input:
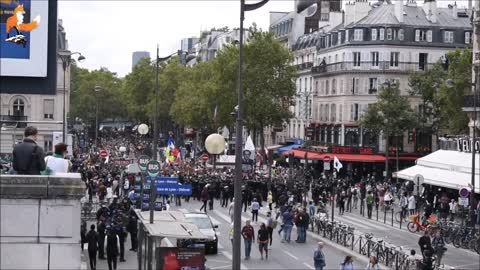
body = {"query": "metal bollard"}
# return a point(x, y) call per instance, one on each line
point(384, 215)
point(401, 220)
point(392, 216)
point(377, 212)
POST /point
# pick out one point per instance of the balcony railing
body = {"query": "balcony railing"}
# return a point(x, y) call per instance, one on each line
point(303, 66)
point(468, 101)
point(370, 66)
point(11, 120)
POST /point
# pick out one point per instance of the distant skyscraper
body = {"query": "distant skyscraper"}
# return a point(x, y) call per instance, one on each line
point(136, 56)
point(187, 44)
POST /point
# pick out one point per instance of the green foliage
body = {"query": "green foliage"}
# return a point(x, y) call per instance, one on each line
point(391, 114)
point(84, 99)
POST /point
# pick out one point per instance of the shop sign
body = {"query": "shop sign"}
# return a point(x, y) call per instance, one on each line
point(353, 150)
point(466, 145)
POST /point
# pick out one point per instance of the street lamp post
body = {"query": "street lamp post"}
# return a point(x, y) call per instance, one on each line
point(97, 89)
point(237, 220)
point(66, 61)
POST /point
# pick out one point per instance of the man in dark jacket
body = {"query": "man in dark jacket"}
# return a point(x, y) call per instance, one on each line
point(425, 243)
point(101, 237)
point(92, 240)
point(28, 157)
point(112, 243)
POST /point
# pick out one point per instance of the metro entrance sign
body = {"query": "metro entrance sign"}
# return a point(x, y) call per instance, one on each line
point(142, 162)
point(104, 154)
point(153, 168)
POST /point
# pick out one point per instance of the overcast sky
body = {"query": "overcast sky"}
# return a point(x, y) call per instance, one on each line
point(107, 32)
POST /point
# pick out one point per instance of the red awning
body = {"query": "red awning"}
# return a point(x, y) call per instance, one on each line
point(404, 158)
point(359, 157)
point(300, 154)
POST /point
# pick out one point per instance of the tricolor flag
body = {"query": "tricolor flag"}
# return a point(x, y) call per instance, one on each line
point(170, 151)
point(337, 164)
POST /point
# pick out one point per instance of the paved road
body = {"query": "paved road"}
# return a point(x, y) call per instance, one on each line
point(455, 258)
point(281, 256)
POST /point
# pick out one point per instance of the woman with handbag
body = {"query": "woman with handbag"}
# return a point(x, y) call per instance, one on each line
point(262, 240)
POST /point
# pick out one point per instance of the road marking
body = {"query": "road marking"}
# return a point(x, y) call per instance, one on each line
point(183, 210)
point(309, 266)
point(228, 266)
point(290, 254)
point(229, 256)
point(355, 221)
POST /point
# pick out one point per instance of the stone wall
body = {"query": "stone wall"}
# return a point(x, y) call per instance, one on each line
point(40, 221)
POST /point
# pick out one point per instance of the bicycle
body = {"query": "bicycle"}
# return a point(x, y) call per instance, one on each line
point(415, 225)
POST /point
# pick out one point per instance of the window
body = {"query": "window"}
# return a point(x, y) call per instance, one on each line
point(355, 112)
point(48, 105)
point(355, 85)
point(341, 86)
point(339, 38)
point(336, 58)
point(48, 143)
point(356, 59)
point(422, 61)
point(321, 112)
point(394, 56)
point(327, 87)
point(18, 107)
point(334, 86)
point(333, 113)
point(300, 85)
point(401, 34)
point(340, 113)
point(316, 87)
point(382, 34)
point(327, 110)
point(346, 36)
point(358, 35)
point(374, 34)
point(375, 59)
point(423, 35)
point(306, 84)
point(373, 85)
point(448, 37)
point(467, 37)
point(389, 34)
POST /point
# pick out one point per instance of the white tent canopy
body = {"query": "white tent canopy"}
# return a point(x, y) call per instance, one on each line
point(448, 169)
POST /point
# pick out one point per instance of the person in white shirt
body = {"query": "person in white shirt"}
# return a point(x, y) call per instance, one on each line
point(57, 162)
point(255, 208)
point(411, 204)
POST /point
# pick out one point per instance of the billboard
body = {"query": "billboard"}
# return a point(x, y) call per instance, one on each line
point(23, 38)
point(19, 75)
point(173, 258)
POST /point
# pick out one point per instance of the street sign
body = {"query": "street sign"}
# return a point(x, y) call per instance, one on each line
point(153, 168)
point(162, 180)
point(309, 132)
point(464, 192)
point(103, 153)
point(463, 201)
point(204, 157)
point(122, 162)
point(142, 162)
point(169, 189)
point(326, 163)
point(418, 179)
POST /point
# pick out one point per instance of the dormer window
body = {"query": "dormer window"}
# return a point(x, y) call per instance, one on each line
point(389, 33)
point(382, 34)
point(358, 35)
point(468, 38)
point(374, 34)
point(423, 35)
point(448, 37)
point(401, 34)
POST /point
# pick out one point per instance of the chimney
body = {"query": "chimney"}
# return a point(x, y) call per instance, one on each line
point(455, 11)
point(399, 10)
point(355, 11)
point(411, 3)
point(430, 9)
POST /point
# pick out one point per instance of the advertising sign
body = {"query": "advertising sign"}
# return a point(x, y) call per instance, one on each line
point(23, 38)
point(173, 258)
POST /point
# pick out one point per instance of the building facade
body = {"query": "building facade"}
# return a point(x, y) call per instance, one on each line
point(341, 69)
point(136, 56)
point(43, 111)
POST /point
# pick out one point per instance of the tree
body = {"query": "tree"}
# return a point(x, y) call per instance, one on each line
point(427, 85)
point(268, 80)
point(84, 99)
point(390, 115)
point(451, 97)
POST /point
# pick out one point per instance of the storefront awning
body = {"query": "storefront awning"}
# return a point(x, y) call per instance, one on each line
point(300, 154)
point(358, 157)
point(281, 150)
point(448, 169)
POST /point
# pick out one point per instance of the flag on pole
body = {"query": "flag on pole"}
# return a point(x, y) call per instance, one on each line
point(337, 164)
point(170, 151)
point(250, 147)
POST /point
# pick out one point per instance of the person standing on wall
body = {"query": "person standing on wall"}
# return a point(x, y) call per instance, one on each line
point(28, 157)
